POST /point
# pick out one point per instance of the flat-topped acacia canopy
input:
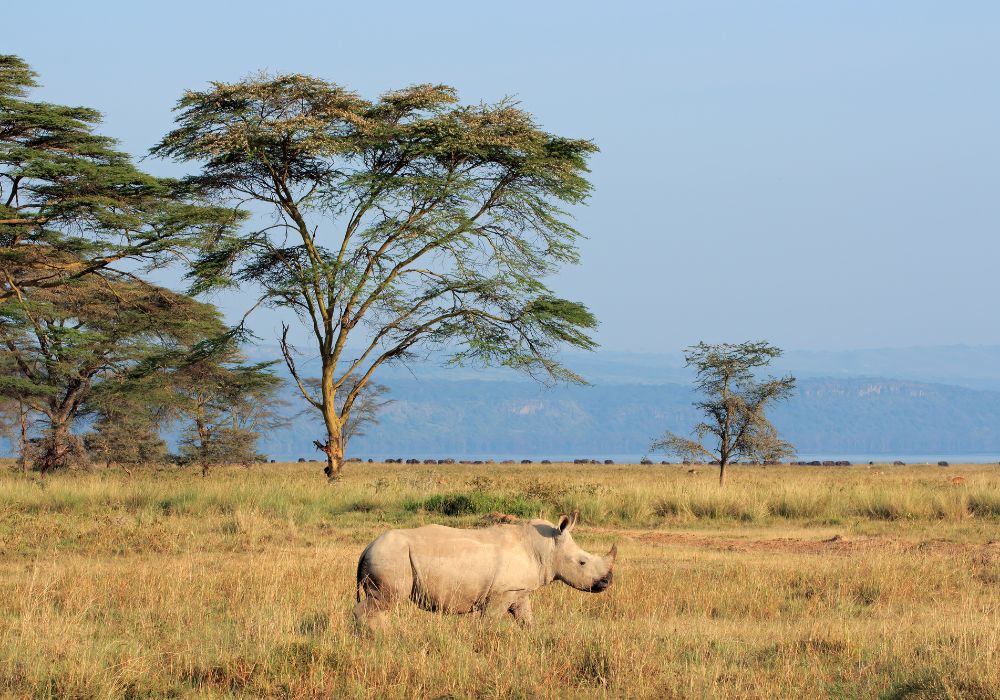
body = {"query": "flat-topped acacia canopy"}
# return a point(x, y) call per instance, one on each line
point(407, 221)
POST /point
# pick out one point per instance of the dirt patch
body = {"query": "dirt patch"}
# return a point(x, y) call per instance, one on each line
point(838, 544)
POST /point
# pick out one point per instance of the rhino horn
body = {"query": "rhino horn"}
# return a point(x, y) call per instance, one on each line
point(611, 556)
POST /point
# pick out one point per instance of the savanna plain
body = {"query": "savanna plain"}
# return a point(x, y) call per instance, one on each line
point(794, 582)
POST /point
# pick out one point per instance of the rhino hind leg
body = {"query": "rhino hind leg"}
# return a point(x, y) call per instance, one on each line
point(384, 578)
point(375, 599)
point(370, 614)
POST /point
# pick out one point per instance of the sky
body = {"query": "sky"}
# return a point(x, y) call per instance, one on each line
point(820, 174)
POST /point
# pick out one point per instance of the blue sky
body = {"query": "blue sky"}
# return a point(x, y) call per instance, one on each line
point(821, 174)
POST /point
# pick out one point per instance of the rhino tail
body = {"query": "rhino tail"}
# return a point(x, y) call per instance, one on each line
point(362, 574)
point(357, 587)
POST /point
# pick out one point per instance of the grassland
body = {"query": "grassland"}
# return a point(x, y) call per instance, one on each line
point(792, 582)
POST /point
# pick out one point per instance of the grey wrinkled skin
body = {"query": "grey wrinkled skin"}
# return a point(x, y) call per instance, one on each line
point(490, 570)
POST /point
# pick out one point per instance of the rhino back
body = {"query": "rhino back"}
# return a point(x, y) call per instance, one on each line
point(450, 569)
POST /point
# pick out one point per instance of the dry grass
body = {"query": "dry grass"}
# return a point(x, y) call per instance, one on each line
point(793, 582)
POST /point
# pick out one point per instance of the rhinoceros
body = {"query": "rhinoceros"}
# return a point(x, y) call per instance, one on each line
point(488, 570)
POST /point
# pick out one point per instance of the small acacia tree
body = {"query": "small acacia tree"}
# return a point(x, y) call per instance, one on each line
point(735, 424)
point(224, 403)
point(125, 434)
point(385, 225)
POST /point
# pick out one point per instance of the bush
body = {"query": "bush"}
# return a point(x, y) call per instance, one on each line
point(475, 502)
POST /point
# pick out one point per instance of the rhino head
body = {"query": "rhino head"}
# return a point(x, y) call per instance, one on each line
point(577, 568)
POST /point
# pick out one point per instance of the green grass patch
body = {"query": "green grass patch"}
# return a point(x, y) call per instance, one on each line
point(475, 502)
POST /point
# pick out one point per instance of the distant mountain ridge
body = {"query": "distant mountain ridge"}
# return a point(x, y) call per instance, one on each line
point(827, 415)
point(904, 401)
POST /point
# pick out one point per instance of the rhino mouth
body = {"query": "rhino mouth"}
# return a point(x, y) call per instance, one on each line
point(601, 583)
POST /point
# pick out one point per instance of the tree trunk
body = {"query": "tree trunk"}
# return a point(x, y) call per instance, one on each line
point(334, 447)
point(202, 446)
point(23, 417)
point(722, 473)
point(58, 447)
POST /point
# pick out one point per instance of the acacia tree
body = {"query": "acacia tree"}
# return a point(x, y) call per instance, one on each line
point(65, 189)
point(735, 423)
point(60, 344)
point(224, 402)
point(390, 224)
point(126, 433)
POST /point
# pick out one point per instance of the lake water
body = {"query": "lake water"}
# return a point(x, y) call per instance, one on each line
point(923, 458)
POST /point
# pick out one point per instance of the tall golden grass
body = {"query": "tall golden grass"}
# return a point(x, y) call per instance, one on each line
point(790, 582)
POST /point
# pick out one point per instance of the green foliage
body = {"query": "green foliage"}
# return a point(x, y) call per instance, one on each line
point(219, 445)
point(476, 502)
point(126, 435)
point(68, 196)
point(78, 224)
point(87, 343)
point(404, 222)
point(223, 401)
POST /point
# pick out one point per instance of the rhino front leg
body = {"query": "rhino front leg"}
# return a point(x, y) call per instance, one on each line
point(499, 605)
point(521, 610)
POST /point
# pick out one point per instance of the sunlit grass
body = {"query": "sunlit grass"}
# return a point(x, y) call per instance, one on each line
point(790, 582)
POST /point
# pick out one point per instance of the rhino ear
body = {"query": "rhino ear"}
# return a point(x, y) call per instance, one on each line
point(568, 522)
